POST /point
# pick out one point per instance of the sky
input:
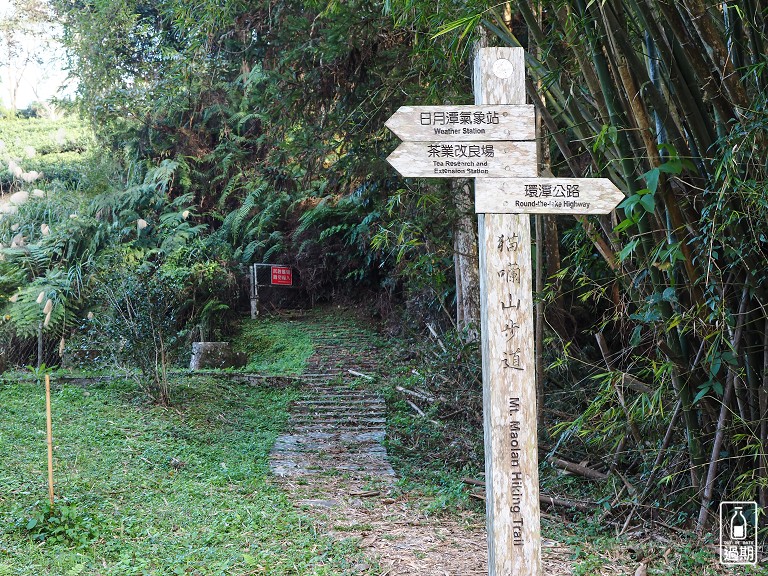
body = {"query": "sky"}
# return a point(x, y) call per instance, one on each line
point(36, 66)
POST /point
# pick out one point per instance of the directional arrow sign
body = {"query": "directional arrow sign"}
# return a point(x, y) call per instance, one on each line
point(463, 159)
point(463, 123)
point(546, 196)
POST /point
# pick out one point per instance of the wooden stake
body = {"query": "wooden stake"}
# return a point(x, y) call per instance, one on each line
point(50, 435)
point(509, 383)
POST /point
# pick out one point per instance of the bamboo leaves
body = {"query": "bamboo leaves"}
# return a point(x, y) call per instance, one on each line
point(664, 97)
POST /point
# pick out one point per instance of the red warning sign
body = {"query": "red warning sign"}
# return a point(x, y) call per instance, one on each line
point(282, 276)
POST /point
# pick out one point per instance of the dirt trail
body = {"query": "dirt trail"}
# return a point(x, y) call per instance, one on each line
point(332, 461)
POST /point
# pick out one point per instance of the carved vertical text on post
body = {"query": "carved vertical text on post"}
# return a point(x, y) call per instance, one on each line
point(509, 391)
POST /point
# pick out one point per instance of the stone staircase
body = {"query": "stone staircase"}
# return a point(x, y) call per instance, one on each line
point(338, 426)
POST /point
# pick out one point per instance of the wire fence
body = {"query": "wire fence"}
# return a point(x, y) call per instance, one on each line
point(17, 352)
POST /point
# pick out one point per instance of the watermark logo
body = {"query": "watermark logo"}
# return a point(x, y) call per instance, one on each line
point(738, 533)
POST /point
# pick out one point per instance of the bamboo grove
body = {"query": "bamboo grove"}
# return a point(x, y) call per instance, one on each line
point(667, 99)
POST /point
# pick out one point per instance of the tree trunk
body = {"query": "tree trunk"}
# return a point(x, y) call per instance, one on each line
point(763, 396)
point(465, 261)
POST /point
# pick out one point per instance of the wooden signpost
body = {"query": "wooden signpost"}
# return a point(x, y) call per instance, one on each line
point(507, 190)
point(463, 159)
point(546, 196)
point(463, 123)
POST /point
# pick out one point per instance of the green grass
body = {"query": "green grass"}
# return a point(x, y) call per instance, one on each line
point(183, 490)
point(275, 346)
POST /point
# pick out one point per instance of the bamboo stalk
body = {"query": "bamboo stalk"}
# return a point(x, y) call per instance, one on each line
point(694, 56)
point(629, 66)
point(693, 432)
point(49, 429)
point(740, 388)
point(680, 76)
point(634, 107)
point(753, 363)
point(562, 14)
point(721, 63)
point(763, 399)
point(600, 244)
point(755, 39)
point(647, 87)
point(709, 485)
point(662, 450)
point(617, 454)
point(546, 117)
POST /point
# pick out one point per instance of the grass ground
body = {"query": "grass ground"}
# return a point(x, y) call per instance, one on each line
point(156, 491)
point(274, 347)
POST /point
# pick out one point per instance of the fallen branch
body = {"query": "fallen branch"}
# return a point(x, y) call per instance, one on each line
point(365, 493)
point(421, 412)
point(473, 482)
point(436, 337)
point(360, 374)
point(555, 502)
point(544, 499)
point(578, 469)
point(420, 395)
point(418, 410)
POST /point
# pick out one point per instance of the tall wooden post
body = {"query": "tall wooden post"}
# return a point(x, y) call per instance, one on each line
point(499, 151)
point(509, 382)
point(49, 435)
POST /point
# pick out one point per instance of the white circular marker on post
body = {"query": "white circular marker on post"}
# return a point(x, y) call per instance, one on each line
point(503, 68)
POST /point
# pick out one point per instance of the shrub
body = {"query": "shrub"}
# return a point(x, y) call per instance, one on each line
point(59, 523)
point(137, 319)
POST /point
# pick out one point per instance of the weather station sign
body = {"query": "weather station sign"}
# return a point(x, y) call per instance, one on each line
point(463, 141)
point(463, 123)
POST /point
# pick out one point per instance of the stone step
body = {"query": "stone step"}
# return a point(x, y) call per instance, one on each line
point(345, 416)
point(330, 425)
point(336, 425)
point(340, 401)
point(351, 428)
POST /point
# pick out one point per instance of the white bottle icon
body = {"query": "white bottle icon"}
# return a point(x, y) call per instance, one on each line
point(738, 525)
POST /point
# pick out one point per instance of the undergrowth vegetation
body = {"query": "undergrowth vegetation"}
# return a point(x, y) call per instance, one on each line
point(146, 490)
point(274, 346)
